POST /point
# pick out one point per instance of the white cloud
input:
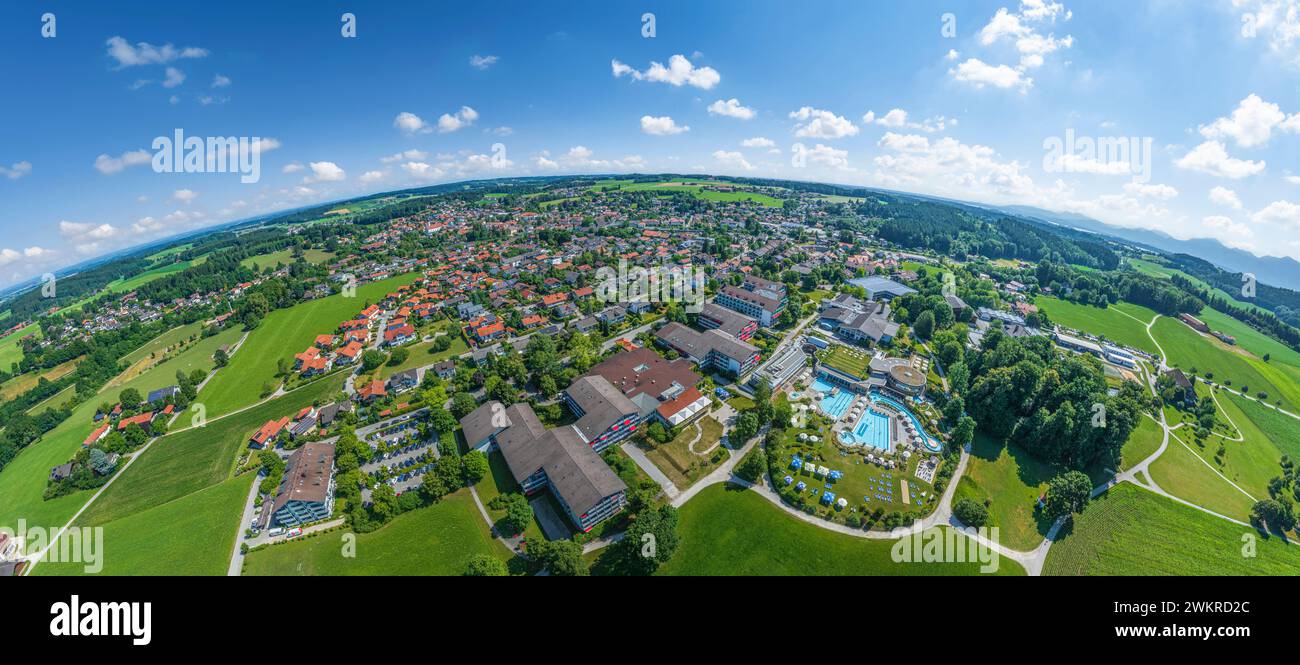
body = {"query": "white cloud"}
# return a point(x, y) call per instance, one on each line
point(110, 165)
point(979, 74)
point(1231, 233)
point(820, 124)
point(1211, 157)
point(1283, 213)
point(423, 170)
point(1251, 123)
point(409, 123)
point(661, 126)
point(1225, 197)
point(482, 61)
point(448, 122)
point(185, 195)
point(583, 158)
point(952, 55)
point(500, 131)
point(824, 155)
point(371, 176)
point(544, 162)
point(324, 172)
point(758, 142)
point(11, 256)
point(679, 72)
point(898, 119)
point(731, 108)
point(950, 166)
point(405, 155)
point(292, 167)
point(732, 159)
point(220, 81)
point(16, 171)
point(174, 77)
point(1150, 190)
point(144, 53)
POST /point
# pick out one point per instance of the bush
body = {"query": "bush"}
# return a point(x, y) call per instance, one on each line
point(752, 467)
point(971, 513)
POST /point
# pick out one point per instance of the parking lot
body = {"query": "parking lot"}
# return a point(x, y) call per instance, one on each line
point(406, 467)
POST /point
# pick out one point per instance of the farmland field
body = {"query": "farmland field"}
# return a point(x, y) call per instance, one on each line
point(1115, 323)
point(193, 535)
point(281, 334)
point(435, 540)
point(284, 256)
point(1130, 531)
point(726, 530)
point(1011, 481)
point(1182, 473)
point(10, 352)
point(24, 382)
point(22, 482)
point(1190, 350)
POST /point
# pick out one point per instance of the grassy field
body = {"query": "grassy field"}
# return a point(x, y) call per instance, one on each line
point(193, 459)
point(1180, 472)
point(1110, 323)
point(681, 465)
point(697, 189)
point(499, 482)
point(1188, 349)
point(24, 382)
point(121, 285)
point(283, 333)
point(437, 540)
point(1142, 443)
point(1130, 531)
point(728, 531)
point(285, 257)
point(162, 366)
point(199, 537)
point(1011, 481)
point(10, 352)
point(60, 399)
point(421, 355)
point(850, 361)
point(22, 482)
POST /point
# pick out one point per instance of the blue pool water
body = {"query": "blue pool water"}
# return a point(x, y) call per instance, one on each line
point(926, 441)
point(832, 405)
point(872, 430)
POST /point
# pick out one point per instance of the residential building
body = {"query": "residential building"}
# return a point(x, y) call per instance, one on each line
point(267, 433)
point(715, 316)
point(712, 349)
point(605, 414)
point(306, 493)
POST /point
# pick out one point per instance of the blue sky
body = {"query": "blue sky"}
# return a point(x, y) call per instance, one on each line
point(960, 99)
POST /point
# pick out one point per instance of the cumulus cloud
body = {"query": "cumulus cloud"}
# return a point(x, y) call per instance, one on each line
point(405, 155)
point(185, 195)
point(950, 166)
point(11, 256)
point(732, 159)
point(292, 167)
point(679, 72)
point(1151, 191)
point(1211, 158)
point(980, 74)
point(143, 53)
point(110, 165)
point(220, 81)
point(1251, 123)
point(1282, 213)
point(758, 142)
point(482, 61)
point(661, 126)
point(409, 123)
point(324, 172)
point(449, 122)
point(731, 108)
point(371, 177)
point(821, 124)
point(899, 119)
point(16, 171)
point(1225, 197)
point(173, 77)
point(824, 155)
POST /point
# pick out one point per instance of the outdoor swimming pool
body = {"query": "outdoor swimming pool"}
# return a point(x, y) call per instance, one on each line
point(832, 405)
point(872, 430)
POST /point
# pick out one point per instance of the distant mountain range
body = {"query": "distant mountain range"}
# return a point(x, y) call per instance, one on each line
point(1283, 272)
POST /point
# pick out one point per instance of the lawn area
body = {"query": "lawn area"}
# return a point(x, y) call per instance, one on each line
point(1190, 350)
point(697, 189)
point(681, 465)
point(1131, 531)
point(23, 481)
point(422, 354)
point(162, 366)
point(1142, 443)
point(58, 400)
point(436, 540)
point(285, 257)
point(204, 525)
point(10, 352)
point(1183, 474)
point(1011, 480)
point(729, 531)
point(499, 482)
point(190, 460)
point(121, 285)
point(282, 334)
point(24, 382)
point(853, 362)
point(1115, 323)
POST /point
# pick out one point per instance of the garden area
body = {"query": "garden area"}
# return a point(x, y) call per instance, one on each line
point(678, 459)
point(853, 362)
